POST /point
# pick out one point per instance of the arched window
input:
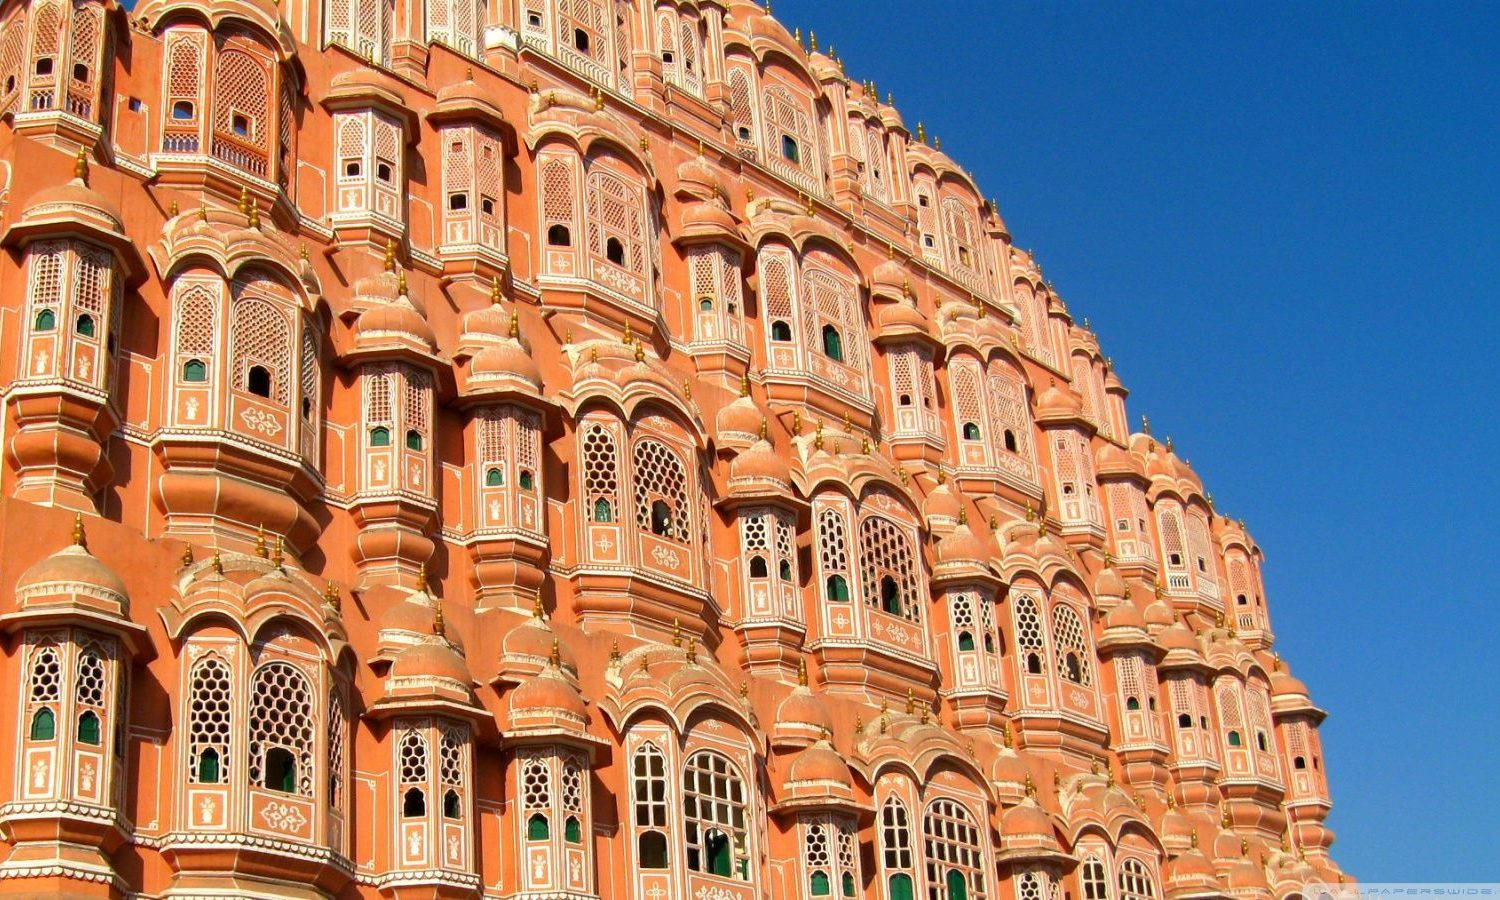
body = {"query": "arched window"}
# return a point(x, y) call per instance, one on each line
point(600, 471)
point(901, 887)
point(414, 767)
point(1132, 704)
point(85, 325)
point(281, 730)
point(536, 797)
point(953, 855)
point(965, 641)
point(261, 342)
point(194, 371)
point(494, 478)
point(833, 344)
point(661, 485)
point(1094, 879)
point(210, 719)
point(971, 431)
point(614, 251)
point(1072, 646)
point(713, 807)
point(616, 220)
point(790, 150)
point(88, 728)
point(258, 381)
point(380, 436)
point(1299, 762)
point(1184, 720)
point(1234, 739)
point(1135, 881)
point(43, 725)
point(784, 570)
point(649, 802)
point(46, 320)
point(895, 836)
point(888, 567)
point(558, 236)
point(838, 589)
point(1029, 635)
point(780, 331)
point(758, 567)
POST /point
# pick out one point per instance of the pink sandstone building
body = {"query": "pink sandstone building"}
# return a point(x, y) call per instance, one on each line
point(581, 449)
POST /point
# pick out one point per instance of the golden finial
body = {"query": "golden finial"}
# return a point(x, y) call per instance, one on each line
point(422, 578)
point(302, 252)
point(1224, 821)
point(78, 535)
point(627, 337)
point(645, 143)
point(1169, 445)
point(765, 428)
point(796, 422)
point(640, 352)
point(515, 326)
point(994, 522)
point(203, 211)
point(691, 651)
point(495, 290)
point(818, 438)
point(676, 632)
point(937, 143)
point(1056, 782)
point(797, 36)
point(401, 282)
point(254, 217)
point(278, 556)
point(1030, 513)
point(593, 354)
point(926, 712)
point(1244, 847)
point(554, 659)
point(802, 671)
point(864, 446)
point(390, 255)
point(1146, 424)
point(963, 516)
point(331, 595)
point(1005, 735)
point(808, 206)
point(911, 701)
point(244, 204)
point(187, 557)
point(614, 652)
point(859, 723)
point(921, 133)
point(1171, 802)
point(687, 390)
point(890, 98)
point(218, 563)
point(969, 747)
point(1029, 785)
point(172, 209)
point(645, 664)
point(438, 627)
point(1193, 840)
point(745, 385)
point(744, 690)
point(812, 37)
point(260, 543)
point(81, 165)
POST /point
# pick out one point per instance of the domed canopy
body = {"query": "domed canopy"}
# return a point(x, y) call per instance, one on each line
point(549, 693)
point(431, 659)
point(71, 570)
point(739, 420)
point(760, 468)
point(395, 325)
point(73, 586)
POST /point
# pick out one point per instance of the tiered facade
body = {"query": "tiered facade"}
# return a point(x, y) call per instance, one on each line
point(581, 448)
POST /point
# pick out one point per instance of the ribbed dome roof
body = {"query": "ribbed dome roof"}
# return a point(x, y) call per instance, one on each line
point(761, 462)
point(802, 707)
point(739, 416)
point(820, 763)
point(398, 320)
point(431, 659)
point(506, 359)
point(1025, 819)
point(72, 566)
point(548, 692)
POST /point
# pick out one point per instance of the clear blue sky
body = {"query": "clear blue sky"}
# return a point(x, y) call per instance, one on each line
point(1281, 219)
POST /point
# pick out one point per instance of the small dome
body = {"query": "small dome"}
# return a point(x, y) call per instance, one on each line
point(73, 197)
point(1179, 637)
point(394, 321)
point(534, 639)
point(547, 693)
point(1113, 459)
point(708, 218)
point(760, 463)
point(942, 503)
point(820, 764)
point(1026, 819)
point(803, 708)
point(408, 615)
point(961, 545)
point(1158, 613)
point(1189, 866)
point(1248, 875)
point(488, 323)
point(507, 359)
point(1283, 683)
point(1058, 402)
point(889, 279)
point(1126, 615)
point(698, 176)
point(69, 569)
point(1009, 770)
point(431, 659)
point(740, 416)
point(1108, 583)
point(899, 319)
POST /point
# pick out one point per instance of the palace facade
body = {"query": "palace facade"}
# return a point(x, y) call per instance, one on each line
point(573, 449)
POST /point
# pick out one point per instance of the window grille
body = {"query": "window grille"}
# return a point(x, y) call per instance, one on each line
point(952, 847)
point(260, 335)
point(1135, 881)
point(615, 211)
point(886, 558)
point(281, 718)
point(1074, 661)
point(660, 477)
point(1095, 880)
point(649, 775)
point(713, 805)
point(895, 834)
point(210, 721)
point(1029, 634)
